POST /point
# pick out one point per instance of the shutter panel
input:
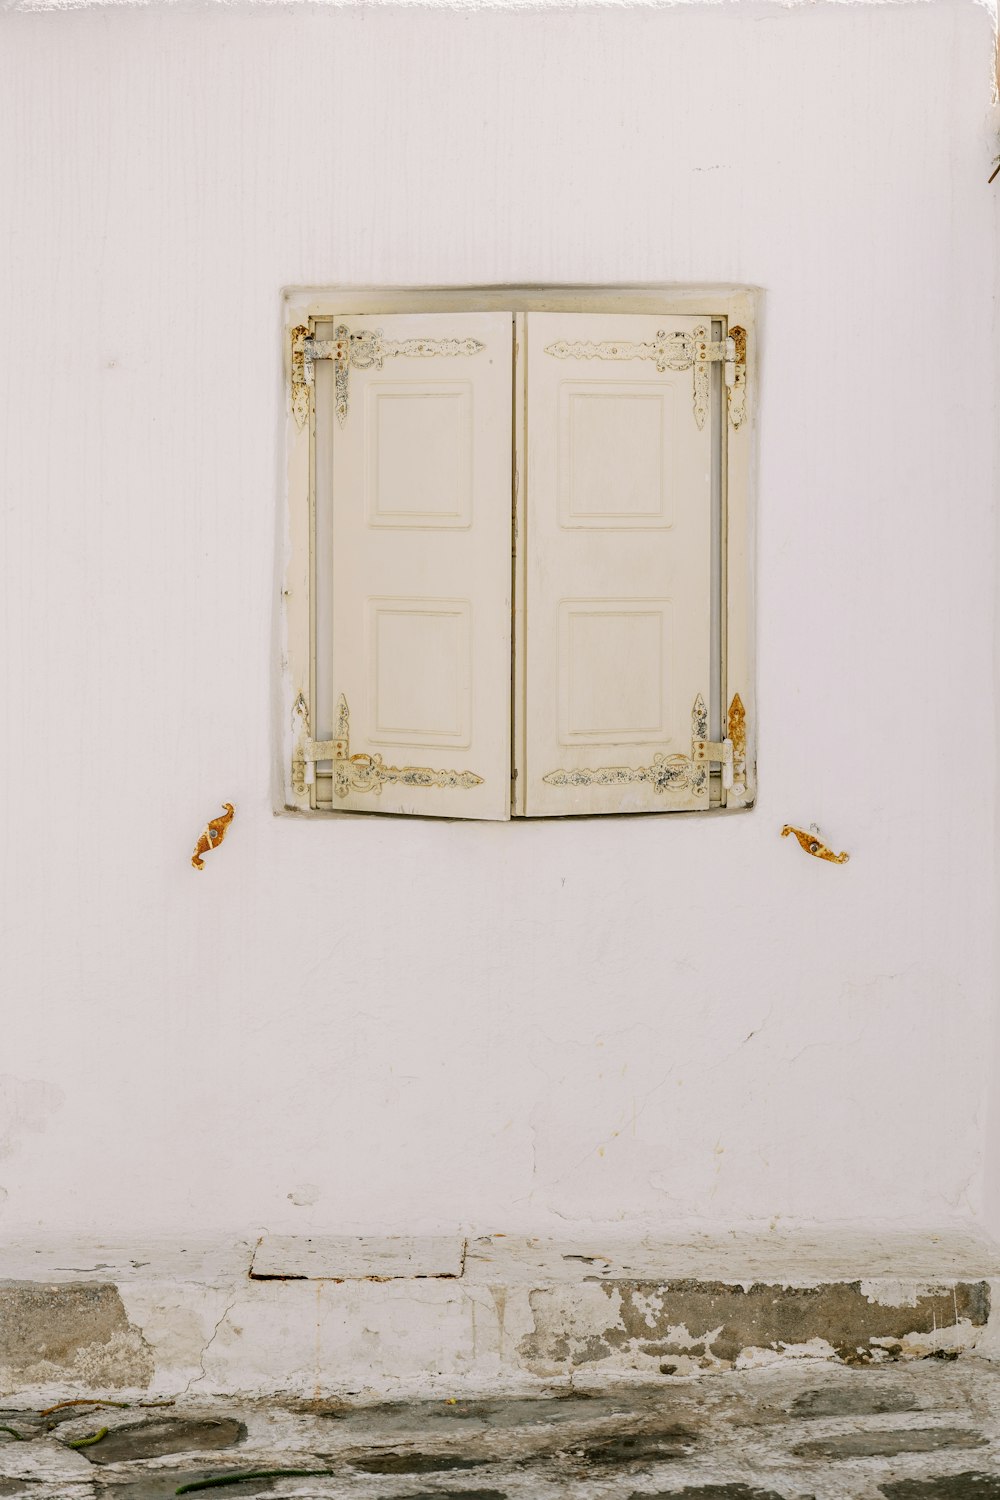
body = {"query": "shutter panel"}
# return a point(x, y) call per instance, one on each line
point(618, 565)
point(421, 564)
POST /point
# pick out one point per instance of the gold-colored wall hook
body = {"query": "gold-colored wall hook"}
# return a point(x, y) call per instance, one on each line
point(813, 845)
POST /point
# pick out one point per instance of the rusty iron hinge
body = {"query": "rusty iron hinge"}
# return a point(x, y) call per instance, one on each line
point(306, 751)
point(678, 351)
point(678, 772)
point(730, 753)
point(365, 348)
point(736, 376)
point(357, 349)
point(360, 772)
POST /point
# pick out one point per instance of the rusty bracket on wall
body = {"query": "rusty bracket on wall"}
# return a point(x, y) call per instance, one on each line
point(212, 836)
point(813, 844)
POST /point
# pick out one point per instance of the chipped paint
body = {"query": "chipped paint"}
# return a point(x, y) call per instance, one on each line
point(82, 1333)
point(713, 1325)
point(429, 1312)
point(841, 1107)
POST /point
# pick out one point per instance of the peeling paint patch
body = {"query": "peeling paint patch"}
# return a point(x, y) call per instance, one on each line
point(706, 1325)
point(75, 1332)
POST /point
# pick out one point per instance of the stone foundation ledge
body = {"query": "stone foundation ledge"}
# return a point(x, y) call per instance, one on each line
point(341, 1316)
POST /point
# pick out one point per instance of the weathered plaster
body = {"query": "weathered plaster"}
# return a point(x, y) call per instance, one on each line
point(446, 1029)
point(70, 1332)
point(691, 1325)
point(776, 6)
point(534, 1312)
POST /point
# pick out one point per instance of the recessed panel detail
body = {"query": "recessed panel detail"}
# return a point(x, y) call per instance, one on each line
point(615, 454)
point(418, 441)
point(420, 671)
point(614, 671)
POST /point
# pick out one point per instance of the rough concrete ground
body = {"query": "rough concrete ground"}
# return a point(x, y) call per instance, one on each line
point(926, 1430)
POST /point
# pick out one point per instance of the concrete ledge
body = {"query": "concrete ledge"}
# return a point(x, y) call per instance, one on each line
point(312, 1316)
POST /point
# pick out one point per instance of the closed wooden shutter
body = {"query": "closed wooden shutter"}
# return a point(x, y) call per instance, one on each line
point(618, 558)
point(420, 617)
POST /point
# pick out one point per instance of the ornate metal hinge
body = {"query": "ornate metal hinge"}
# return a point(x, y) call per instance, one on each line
point(730, 753)
point(736, 377)
point(362, 349)
point(678, 773)
point(361, 772)
point(678, 351)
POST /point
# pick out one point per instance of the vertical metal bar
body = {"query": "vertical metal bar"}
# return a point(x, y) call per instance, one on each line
point(716, 707)
point(323, 699)
point(518, 571)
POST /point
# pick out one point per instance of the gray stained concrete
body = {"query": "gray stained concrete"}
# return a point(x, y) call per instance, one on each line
point(924, 1430)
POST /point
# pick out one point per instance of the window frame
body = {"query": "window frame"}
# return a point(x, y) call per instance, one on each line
point(729, 306)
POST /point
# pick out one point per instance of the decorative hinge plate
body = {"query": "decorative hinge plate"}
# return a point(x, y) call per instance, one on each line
point(365, 348)
point(678, 351)
point(360, 349)
point(730, 753)
point(678, 773)
point(360, 772)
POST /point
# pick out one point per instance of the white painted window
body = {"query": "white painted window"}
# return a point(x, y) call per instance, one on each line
point(517, 580)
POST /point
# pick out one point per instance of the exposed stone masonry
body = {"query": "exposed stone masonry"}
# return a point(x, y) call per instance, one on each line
point(924, 1430)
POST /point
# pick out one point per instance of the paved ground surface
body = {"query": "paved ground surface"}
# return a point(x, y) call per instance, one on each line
point(928, 1430)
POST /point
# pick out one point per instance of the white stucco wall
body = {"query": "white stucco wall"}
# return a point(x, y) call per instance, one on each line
point(382, 1024)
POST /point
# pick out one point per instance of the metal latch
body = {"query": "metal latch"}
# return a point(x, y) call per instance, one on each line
point(731, 353)
point(307, 751)
point(720, 751)
point(708, 351)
